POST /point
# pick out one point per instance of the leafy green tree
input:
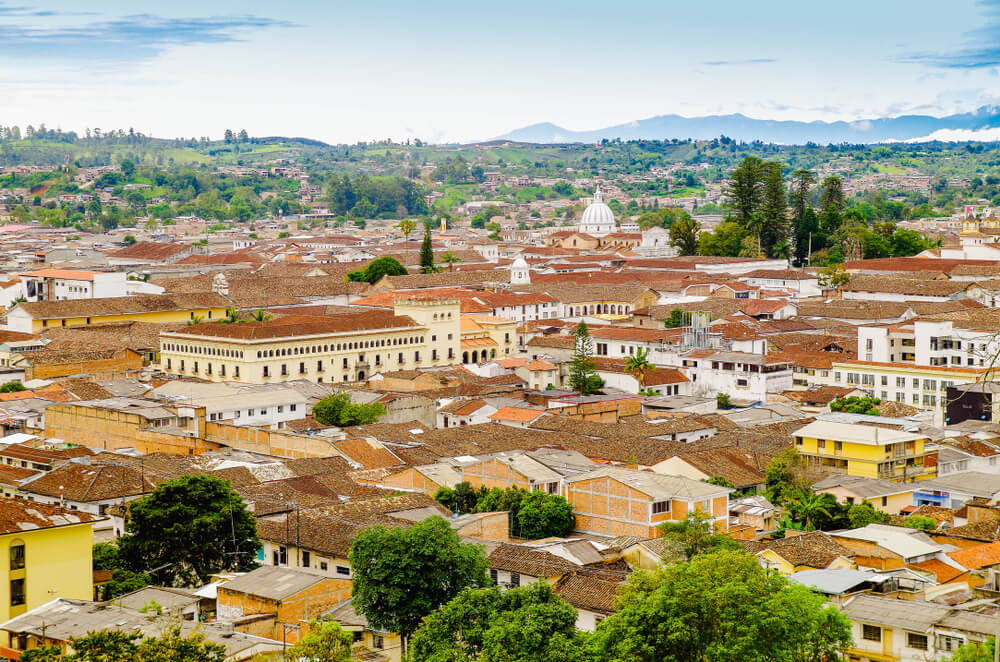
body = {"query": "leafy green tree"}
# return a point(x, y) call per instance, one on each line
point(361, 413)
point(170, 646)
point(726, 240)
point(107, 556)
point(189, 529)
point(800, 194)
point(723, 401)
point(460, 499)
point(831, 204)
point(921, 522)
point(724, 607)
point(970, 652)
point(128, 169)
point(807, 235)
point(327, 411)
point(785, 476)
point(12, 387)
point(450, 259)
point(905, 243)
point(129, 240)
point(857, 405)
point(406, 227)
point(402, 575)
point(42, 654)
point(427, 253)
point(260, 316)
point(694, 535)
point(833, 277)
point(232, 316)
point(862, 514)
point(583, 376)
point(684, 235)
point(675, 320)
point(326, 642)
point(543, 515)
point(377, 269)
point(526, 624)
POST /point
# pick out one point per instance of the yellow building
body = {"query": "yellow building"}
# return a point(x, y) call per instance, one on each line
point(49, 555)
point(485, 338)
point(418, 333)
point(34, 317)
point(864, 450)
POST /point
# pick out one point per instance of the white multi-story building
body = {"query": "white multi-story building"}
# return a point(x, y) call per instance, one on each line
point(737, 374)
point(927, 343)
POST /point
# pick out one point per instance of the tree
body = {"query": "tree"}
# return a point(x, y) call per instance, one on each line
point(723, 401)
point(543, 515)
point(833, 277)
point(195, 319)
point(189, 529)
point(726, 240)
point(361, 413)
point(694, 535)
point(811, 508)
point(107, 556)
point(862, 514)
point(583, 376)
point(401, 575)
point(724, 607)
point(638, 364)
point(921, 522)
point(798, 197)
point(675, 320)
point(970, 652)
point(526, 624)
point(326, 642)
point(406, 226)
point(377, 269)
point(774, 213)
point(12, 387)
point(129, 240)
point(807, 235)
point(427, 253)
point(857, 405)
point(128, 169)
point(684, 235)
point(462, 499)
point(450, 259)
point(744, 190)
point(831, 204)
point(232, 316)
point(785, 476)
point(260, 316)
point(327, 411)
point(170, 646)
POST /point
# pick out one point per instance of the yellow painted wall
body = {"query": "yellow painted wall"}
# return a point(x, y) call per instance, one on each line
point(58, 564)
point(160, 316)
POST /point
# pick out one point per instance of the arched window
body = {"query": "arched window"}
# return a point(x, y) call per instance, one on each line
point(465, 357)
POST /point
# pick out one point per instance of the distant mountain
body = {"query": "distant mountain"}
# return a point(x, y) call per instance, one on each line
point(741, 127)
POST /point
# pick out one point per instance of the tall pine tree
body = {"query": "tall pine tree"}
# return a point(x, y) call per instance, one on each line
point(583, 376)
point(774, 229)
point(427, 253)
point(744, 191)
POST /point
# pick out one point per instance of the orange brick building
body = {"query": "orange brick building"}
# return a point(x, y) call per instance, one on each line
point(616, 501)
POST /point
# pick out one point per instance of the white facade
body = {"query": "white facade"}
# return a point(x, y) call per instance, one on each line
point(924, 343)
point(63, 285)
point(742, 376)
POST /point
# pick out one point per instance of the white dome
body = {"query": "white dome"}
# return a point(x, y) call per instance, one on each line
point(598, 213)
point(519, 263)
point(598, 219)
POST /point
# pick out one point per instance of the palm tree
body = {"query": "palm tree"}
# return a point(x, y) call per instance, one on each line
point(406, 226)
point(808, 506)
point(260, 316)
point(639, 365)
point(450, 259)
point(232, 316)
point(195, 320)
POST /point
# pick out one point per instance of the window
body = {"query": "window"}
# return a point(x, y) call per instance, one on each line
point(918, 641)
point(16, 592)
point(280, 556)
point(515, 579)
point(871, 632)
point(378, 641)
point(493, 575)
point(661, 507)
point(292, 407)
point(322, 565)
point(343, 570)
point(17, 556)
point(306, 559)
point(948, 644)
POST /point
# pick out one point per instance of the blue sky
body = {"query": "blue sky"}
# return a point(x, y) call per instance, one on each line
point(348, 71)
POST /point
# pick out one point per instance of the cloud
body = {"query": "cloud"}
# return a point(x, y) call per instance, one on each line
point(130, 38)
point(981, 50)
point(960, 135)
point(6, 10)
point(726, 63)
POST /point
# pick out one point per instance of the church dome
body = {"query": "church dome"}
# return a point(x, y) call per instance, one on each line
point(598, 219)
point(519, 263)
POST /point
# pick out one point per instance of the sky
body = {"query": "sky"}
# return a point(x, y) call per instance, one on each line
point(446, 71)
